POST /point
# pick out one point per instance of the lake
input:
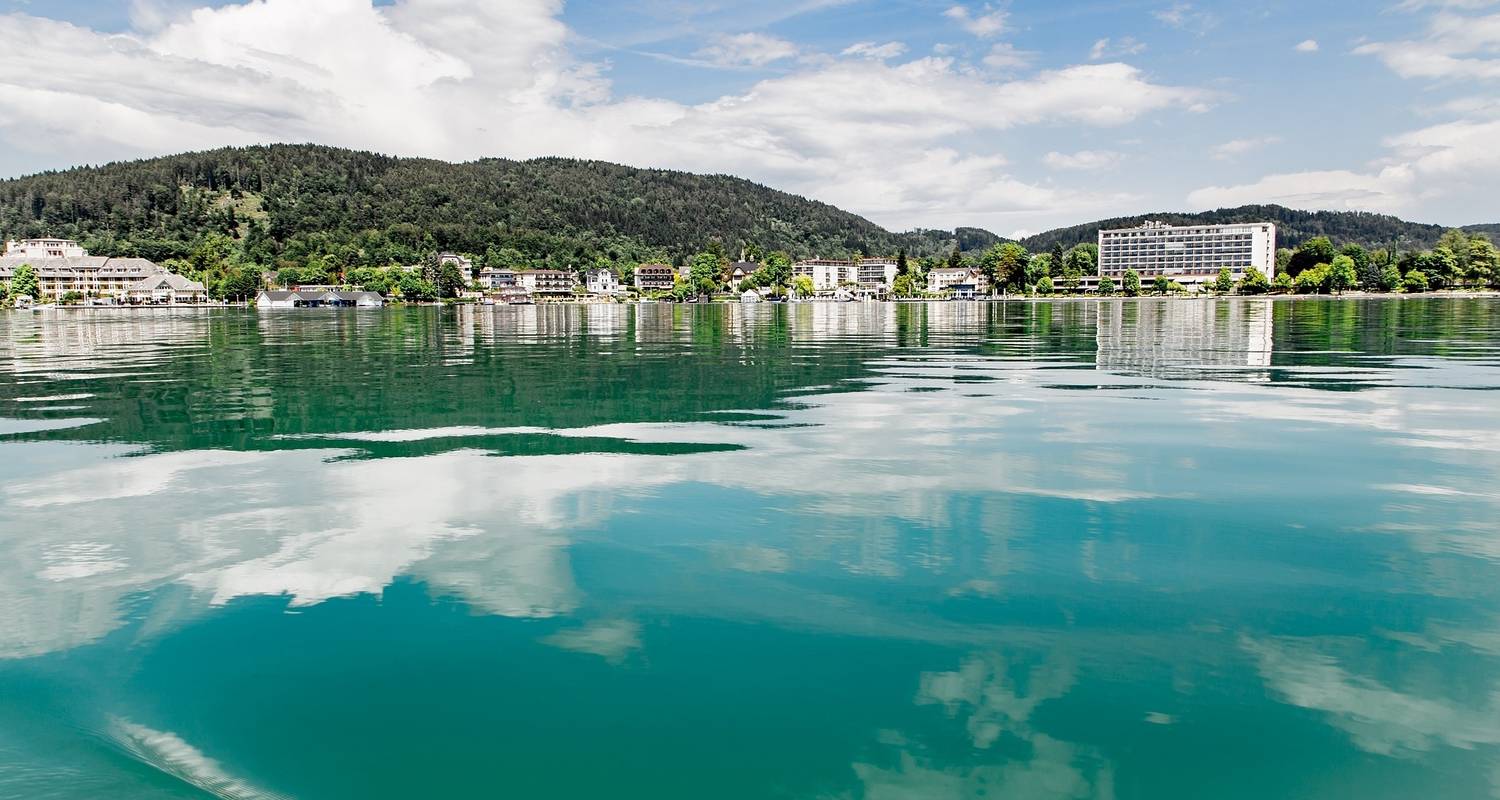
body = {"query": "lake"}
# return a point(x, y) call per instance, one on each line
point(1073, 549)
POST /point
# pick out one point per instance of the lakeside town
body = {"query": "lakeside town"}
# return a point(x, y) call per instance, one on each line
point(1154, 258)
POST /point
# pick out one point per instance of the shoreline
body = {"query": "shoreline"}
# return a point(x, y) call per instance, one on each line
point(1448, 294)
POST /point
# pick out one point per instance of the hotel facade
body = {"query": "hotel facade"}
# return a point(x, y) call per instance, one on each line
point(62, 266)
point(1191, 255)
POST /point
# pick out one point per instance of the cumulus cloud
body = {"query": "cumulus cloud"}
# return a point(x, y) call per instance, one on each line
point(1110, 48)
point(458, 79)
point(748, 50)
point(880, 52)
point(1307, 46)
point(1082, 160)
point(1454, 46)
point(985, 23)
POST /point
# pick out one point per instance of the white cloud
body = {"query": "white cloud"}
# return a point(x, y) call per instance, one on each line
point(1378, 718)
point(1184, 16)
point(611, 640)
point(1337, 190)
point(748, 50)
point(1083, 159)
point(879, 52)
point(1239, 147)
point(1450, 165)
point(466, 80)
point(1109, 48)
point(985, 24)
point(1307, 46)
point(1454, 47)
point(1450, 161)
point(1005, 57)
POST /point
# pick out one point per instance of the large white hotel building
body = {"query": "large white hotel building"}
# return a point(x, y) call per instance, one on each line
point(1191, 255)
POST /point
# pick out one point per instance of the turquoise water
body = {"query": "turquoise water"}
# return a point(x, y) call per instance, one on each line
point(1119, 549)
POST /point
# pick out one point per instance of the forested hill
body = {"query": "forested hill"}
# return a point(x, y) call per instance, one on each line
point(1293, 227)
point(290, 202)
point(275, 205)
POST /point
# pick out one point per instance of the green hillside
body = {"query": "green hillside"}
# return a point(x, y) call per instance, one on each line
point(289, 202)
point(279, 205)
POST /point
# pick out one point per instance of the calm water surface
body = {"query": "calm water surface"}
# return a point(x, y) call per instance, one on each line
point(1180, 549)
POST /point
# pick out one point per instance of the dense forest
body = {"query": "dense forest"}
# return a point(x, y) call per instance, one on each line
point(291, 202)
point(313, 214)
point(1293, 227)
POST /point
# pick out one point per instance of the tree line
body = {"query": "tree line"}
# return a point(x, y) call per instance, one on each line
point(314, 214)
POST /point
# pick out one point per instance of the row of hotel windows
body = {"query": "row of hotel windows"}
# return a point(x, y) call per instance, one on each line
point(1157, 234)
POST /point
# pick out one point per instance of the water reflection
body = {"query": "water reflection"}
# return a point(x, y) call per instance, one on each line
point(1001, 544)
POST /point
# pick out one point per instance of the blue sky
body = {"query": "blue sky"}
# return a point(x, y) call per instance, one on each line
point(1015, 116)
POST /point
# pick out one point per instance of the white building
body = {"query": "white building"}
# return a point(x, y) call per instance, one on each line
point(494, 279)
point(465, 265)
point(44, 248)
point(166, 289)
point(317, 298)
point(547, 283)
point(603, 281)
point(1191, 255)
point(62, 266)
point(875, 275)
point(965, 283)
point(826, 274)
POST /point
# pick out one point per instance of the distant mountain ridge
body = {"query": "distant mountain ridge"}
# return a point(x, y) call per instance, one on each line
point(1293, 227)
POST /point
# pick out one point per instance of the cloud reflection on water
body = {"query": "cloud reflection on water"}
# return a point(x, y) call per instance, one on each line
point(858, 509)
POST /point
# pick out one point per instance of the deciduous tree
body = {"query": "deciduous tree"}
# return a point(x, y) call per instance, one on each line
point(23, 282)
point(1314, 251)
point(1224, 283)
point(1254, 282)
point(1342, 274)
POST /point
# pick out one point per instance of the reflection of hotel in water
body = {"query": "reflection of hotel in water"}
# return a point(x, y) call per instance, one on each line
point(103, 339)
point(1176, 339)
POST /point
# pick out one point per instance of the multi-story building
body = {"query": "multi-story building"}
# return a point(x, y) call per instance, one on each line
point(602, 281)
point(494, 279)
point(547, 283)
point(62, 266)
point(875, 275)
point(654, 278)
point(465, 265)
point(827, 274)
point(1191, 255)
point(965, 283)
point(44, 248)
